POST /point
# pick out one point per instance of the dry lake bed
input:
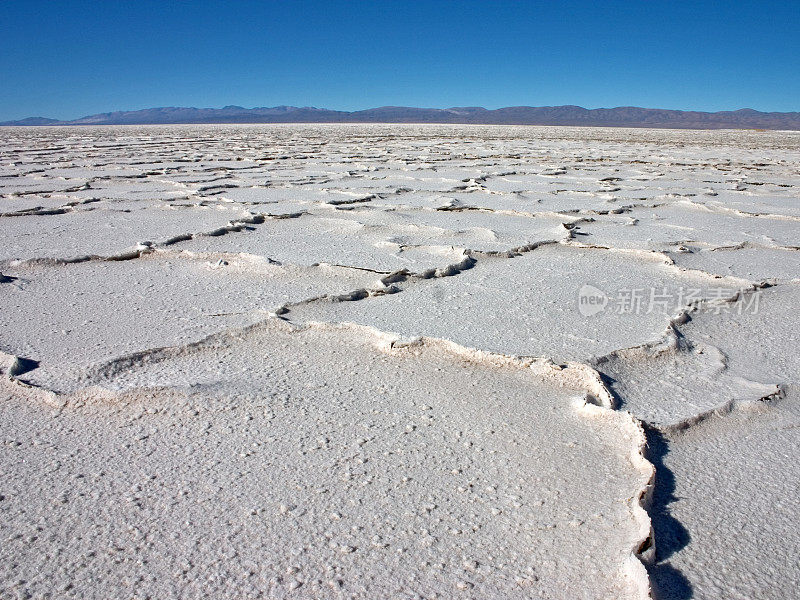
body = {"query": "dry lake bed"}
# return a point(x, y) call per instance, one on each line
point(387, 361)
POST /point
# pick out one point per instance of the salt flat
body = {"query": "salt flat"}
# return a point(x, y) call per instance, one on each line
point(360, 361)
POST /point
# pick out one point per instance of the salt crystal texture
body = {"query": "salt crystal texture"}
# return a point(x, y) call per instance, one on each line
point(373, 361)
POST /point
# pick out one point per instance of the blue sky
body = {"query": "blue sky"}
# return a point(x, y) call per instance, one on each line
point(68, 59)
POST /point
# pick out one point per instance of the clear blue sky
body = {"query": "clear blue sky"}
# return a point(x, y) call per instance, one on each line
point(66, 59)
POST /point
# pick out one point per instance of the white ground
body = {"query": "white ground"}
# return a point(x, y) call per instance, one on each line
point(398, 362)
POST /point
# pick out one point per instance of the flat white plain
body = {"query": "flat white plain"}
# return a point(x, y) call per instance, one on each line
point(352, 361)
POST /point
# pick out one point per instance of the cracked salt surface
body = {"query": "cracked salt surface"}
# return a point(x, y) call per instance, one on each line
point(68, 317)
point(728, 516)
point(105, 231)
point(166, 433)
point(746, 262)
point(338, 240)
point(528, 305)
point(380, 473)
point(682, 222)
point(731, 462)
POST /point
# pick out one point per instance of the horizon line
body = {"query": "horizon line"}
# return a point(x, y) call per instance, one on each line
point(401, 106)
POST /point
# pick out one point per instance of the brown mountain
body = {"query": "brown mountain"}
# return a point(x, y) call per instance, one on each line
point(623, 116)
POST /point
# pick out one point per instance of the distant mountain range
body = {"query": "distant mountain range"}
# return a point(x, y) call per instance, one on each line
point(623, 116)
